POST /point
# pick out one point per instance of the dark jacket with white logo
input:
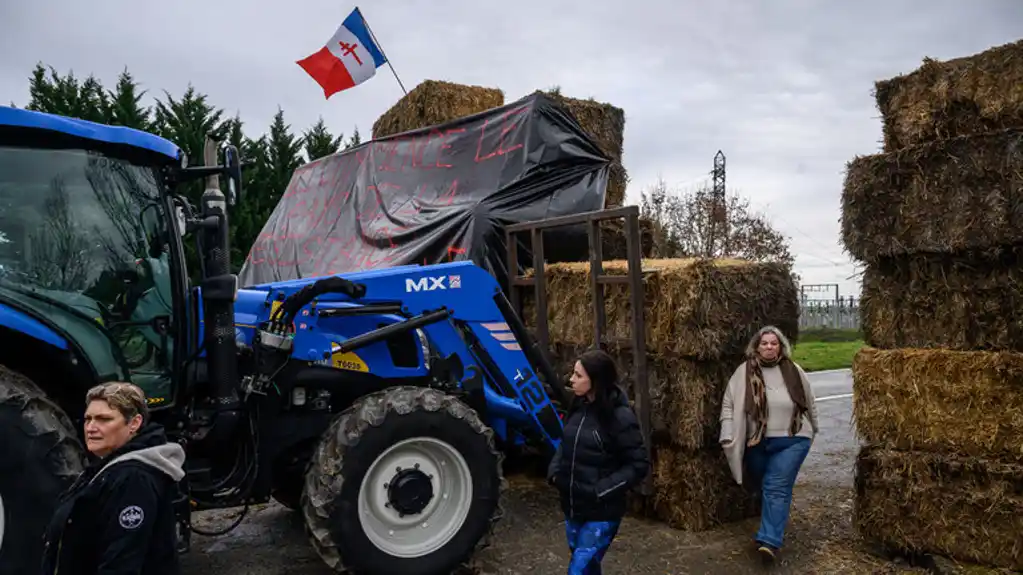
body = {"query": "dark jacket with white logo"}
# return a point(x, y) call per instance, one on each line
point(118, 516)
point(596, 465)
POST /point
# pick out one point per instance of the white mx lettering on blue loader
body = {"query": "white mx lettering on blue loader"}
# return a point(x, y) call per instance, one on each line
point(430, 283)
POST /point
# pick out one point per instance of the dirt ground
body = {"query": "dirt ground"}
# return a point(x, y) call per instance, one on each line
point(530, 538)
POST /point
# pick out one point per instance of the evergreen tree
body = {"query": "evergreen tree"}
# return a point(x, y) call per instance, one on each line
point(125, 105)
point(354, 140)
point(186, 120)
point(319, 142)
point(66, 96)
point(284, 151)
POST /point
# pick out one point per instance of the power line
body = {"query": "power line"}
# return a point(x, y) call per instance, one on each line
point(817, 242)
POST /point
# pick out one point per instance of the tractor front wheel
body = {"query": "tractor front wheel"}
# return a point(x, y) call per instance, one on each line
point(407, 480)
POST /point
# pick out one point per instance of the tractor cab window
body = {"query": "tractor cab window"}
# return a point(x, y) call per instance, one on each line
point(82, 245)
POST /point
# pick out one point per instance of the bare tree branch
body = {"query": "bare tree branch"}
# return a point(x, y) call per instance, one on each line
point(690, 224)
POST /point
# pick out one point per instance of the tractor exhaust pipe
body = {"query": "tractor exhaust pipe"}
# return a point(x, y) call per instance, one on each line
point(219, 288)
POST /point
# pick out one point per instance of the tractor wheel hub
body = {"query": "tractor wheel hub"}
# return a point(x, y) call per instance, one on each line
point(410, 491)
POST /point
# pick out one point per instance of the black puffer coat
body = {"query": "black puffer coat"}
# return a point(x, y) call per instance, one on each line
point(118, 517)
point(594, 467)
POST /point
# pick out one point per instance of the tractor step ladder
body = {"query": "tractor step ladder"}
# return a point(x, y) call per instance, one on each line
point(633, 278)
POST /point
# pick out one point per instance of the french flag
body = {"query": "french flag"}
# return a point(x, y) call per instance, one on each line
point(349, 58)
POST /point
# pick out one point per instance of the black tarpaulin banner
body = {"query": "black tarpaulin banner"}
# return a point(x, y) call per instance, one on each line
point(434, 195)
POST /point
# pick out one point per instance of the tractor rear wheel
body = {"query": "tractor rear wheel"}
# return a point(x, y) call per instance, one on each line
point(42, 457)
point(407, 480)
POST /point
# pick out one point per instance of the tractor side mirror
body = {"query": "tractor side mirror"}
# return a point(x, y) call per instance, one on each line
point(233, 169)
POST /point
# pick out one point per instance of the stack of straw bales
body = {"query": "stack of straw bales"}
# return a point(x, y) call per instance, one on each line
point(939, 393)
point(435, 102)
point(699, 316)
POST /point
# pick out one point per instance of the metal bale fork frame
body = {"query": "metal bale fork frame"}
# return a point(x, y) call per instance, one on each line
point(633, 278)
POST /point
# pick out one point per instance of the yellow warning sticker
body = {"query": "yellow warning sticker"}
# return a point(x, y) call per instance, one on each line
point(274, 305)
point(350, 362)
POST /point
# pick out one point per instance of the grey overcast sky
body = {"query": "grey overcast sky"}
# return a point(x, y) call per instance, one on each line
point(783, 87)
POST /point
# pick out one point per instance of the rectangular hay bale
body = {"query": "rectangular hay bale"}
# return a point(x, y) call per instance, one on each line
point(943, 197)
point(685, 394)
point(959, 97)
point(967, 402)
point(695, 308)
point(966, 508)
point(606, 125)
point(435, 102)
point(963, 302)
point(617, 182)
point(694, 491)
point(604, 122)
point(613, 241)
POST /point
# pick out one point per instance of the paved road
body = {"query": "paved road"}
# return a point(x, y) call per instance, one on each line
point(831, 385)
point(829, 462)
point(271, 540)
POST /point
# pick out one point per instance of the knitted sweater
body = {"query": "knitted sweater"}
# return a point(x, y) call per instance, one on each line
point(735, 422)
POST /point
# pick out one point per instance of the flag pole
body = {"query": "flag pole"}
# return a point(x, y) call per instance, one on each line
point(379, 45)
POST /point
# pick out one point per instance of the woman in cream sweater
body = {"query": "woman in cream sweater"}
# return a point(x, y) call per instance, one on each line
point(768, 422)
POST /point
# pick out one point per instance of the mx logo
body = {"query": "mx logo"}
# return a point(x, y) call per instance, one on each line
point(426, 283)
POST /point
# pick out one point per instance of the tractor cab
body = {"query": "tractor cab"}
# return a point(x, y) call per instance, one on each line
point(91, 258)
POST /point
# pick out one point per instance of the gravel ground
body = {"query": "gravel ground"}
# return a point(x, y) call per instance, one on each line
point(530, 538)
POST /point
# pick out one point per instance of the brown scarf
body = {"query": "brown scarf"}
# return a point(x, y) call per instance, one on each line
point(756, 395)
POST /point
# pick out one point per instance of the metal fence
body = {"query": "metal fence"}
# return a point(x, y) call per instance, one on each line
point(838, 313)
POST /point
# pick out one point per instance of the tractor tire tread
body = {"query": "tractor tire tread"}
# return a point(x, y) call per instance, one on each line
point(29, 416)
point(325, 475)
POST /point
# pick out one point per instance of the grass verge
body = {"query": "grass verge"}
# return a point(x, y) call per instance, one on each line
point(823, 349)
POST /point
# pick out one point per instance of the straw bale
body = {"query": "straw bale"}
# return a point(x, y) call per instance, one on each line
point(695, 308)
point(964, 96)
point(606, 125)
point(613, 243)
point(435, 102)
point(967, 402)
point(942, 197)
point(685, 394)
point(603, 122)
point(966, 302)
point(617, 182)
point(966, 508)
point(694, 491)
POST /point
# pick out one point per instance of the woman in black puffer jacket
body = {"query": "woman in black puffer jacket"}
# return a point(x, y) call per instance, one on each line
point(601, 456)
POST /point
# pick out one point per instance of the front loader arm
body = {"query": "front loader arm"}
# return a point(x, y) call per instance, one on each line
point(512, 390)
point(464, 313)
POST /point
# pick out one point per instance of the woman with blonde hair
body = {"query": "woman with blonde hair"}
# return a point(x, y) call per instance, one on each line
point(768, 422)
point(118, 516)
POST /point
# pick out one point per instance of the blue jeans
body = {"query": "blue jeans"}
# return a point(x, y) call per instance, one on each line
point(589, 542)
point(773, 465)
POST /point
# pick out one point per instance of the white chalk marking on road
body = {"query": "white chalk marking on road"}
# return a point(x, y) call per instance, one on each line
point(839, 396)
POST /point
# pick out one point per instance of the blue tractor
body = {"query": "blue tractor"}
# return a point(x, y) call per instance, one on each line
point(376, 403)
